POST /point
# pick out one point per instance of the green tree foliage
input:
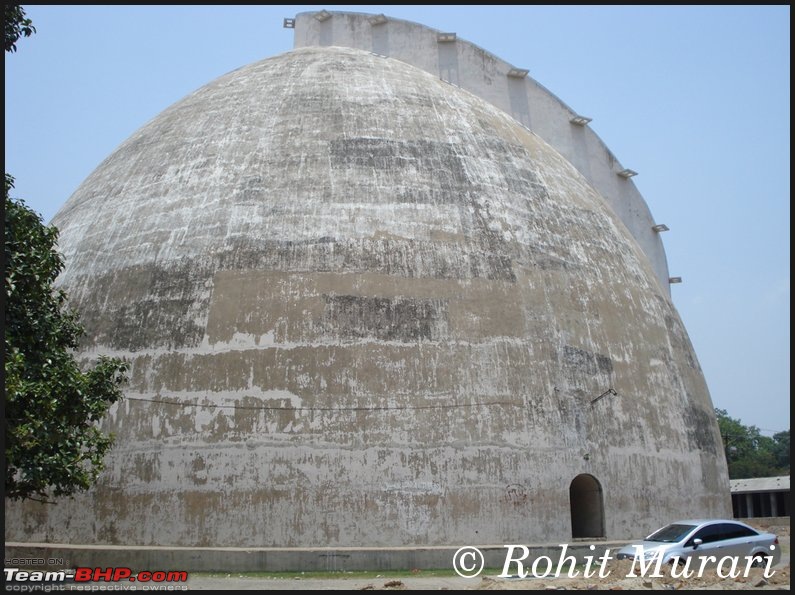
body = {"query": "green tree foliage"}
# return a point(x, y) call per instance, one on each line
point(748, 453)
point(16, 26)
point(781, 449)
point(53, 445)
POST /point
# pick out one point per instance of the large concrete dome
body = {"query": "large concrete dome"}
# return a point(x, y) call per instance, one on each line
point(366, 307)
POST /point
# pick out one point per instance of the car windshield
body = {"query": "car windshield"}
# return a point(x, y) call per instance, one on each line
point(671, 533)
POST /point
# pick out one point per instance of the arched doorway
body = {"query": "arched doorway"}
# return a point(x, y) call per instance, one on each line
point(587, 508)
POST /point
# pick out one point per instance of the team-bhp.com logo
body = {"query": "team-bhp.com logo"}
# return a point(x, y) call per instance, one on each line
point(120, 577)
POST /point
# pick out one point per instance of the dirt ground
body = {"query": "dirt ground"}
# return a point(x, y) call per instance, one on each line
point(616, 580)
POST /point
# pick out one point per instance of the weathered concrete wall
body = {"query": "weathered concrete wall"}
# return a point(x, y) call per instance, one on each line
point(366, 308)
point(480, 72)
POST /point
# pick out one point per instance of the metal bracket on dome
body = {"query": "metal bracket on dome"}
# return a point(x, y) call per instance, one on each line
point(580, 120)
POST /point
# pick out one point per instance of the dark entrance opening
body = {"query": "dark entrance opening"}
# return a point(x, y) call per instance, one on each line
point(587, 508)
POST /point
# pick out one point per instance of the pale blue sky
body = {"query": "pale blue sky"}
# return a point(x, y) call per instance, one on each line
point(695, 99)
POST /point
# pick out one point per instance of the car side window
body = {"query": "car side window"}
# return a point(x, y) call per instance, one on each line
point(706, 535)
point(720, 532)
point(734, 531)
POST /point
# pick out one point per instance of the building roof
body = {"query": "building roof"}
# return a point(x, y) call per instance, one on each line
point(759, 484)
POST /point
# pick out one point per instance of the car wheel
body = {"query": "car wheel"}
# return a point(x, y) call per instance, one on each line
point(676, 562)
point(759, 561)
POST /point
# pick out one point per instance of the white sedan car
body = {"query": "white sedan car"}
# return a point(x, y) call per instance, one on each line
point(699, 538)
